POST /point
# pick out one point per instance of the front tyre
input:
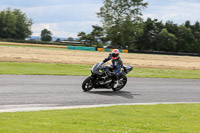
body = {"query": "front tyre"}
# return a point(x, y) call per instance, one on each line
point(87, 84)
point(122, 83)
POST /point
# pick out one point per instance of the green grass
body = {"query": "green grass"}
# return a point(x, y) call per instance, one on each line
point(84, 70)
point(164, 73)
point(176, 118)
point(43, 69)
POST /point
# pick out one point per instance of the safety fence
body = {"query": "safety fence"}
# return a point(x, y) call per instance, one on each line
point(131, 51)
point(95, 49)
point(81, 48)
point(109, 50)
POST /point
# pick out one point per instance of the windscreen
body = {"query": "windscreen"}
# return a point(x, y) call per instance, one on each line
point(96, 68)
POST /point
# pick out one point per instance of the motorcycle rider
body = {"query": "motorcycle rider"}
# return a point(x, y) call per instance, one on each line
point(117, 64)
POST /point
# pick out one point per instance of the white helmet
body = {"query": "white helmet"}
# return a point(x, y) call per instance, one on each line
point(115, 54)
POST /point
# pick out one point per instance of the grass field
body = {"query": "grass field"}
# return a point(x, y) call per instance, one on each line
point(15, 53)
point(176, 118)
point(84, 70)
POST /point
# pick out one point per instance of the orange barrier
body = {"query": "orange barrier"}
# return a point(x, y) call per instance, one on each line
point(124, 51)
point(100, 49)
point(120, 50)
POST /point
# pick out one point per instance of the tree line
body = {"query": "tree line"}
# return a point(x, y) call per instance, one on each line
point(122, 27)
point(169, 37)
point(153, 35)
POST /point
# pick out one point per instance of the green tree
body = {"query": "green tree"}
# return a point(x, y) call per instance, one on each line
point(117, 13)
point(166, 41)
point(7, 24)
point(186, 40)
point(82, 37)
point(86, 38)
point(23, 25)
point(90, 39)
point(187, 24)
point(151, 28)
point(14, 24)
point(196, 27)
point(70, 39)
point(97, 34)
point(126, 34)
point(94, 37)
point(58, 40)
point(171, 27)
point(46, 35)
point(196, 32)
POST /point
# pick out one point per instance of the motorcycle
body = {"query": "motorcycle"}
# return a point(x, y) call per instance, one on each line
point(103, 77)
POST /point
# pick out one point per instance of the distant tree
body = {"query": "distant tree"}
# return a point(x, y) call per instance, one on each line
point(14, 24)
point(186, 40)
point(92, 38)
point(196, 30)
point(97, 33)
point(187, 24)
point(117, 13)
point(70, 39)
point(171, 27)
point(196, 27)
point(188, 36)
point(151, 28)
point(82, 37)
point(166, 41)
point(46, 35)
point(23, 25)
point(96, 36)
point(126, 34)
point(58, 40)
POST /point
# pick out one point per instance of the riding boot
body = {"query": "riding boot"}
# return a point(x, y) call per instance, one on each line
point(116, 82)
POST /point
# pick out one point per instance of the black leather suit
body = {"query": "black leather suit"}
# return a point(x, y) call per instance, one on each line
point(117, 64)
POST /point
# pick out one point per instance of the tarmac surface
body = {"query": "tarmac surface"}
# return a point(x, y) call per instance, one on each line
point(18, 92)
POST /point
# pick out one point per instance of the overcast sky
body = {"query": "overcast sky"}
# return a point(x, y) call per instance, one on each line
point(65, 18)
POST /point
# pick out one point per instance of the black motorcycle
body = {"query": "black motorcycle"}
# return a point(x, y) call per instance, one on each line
point(103, 77)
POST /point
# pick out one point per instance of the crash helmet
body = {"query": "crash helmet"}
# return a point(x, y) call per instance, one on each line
point(115, 54)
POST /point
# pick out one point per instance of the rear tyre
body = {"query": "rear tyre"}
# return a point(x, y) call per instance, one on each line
point(122, 83)
point(87, 84)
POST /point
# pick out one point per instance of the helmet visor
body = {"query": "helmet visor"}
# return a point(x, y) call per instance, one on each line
point(115, 54)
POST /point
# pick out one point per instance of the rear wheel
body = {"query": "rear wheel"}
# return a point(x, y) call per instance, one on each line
point(122, 83)
point(87, 84)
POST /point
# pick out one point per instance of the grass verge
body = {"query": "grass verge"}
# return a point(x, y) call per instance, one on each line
point(84, 70)
point(43, 69)
point(117, 119)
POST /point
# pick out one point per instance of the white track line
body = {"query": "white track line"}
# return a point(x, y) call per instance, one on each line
point(38, 107)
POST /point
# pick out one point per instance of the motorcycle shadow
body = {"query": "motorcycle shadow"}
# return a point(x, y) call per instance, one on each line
point(124, 94)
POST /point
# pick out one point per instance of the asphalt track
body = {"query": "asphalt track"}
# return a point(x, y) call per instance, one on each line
point(18, 92)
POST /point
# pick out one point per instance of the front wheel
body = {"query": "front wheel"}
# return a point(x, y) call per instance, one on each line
point(122, 83)
point(87, 84)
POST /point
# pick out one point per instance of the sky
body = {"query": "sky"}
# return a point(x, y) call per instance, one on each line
point(66, 18)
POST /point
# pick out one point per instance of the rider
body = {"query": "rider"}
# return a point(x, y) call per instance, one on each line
point(116, 64)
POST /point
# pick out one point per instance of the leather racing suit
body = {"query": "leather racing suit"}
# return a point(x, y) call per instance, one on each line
point(117, 64)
